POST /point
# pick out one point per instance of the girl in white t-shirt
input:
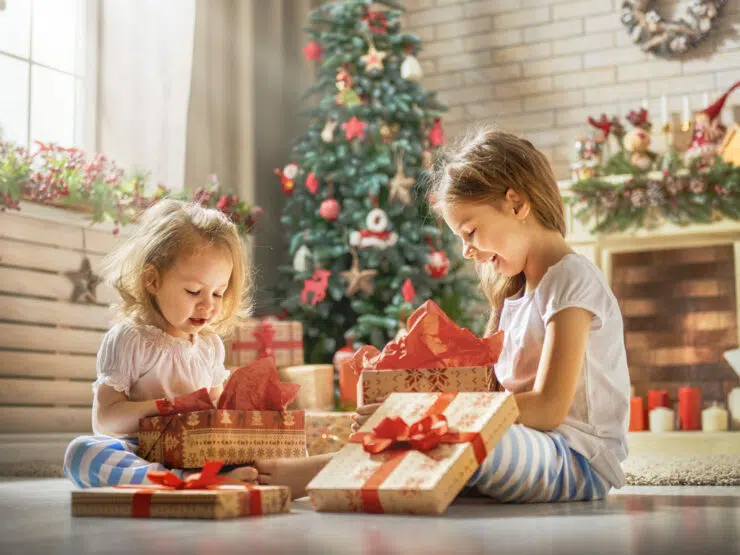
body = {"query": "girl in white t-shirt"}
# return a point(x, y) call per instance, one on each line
point(182, 279)
point(563, 356)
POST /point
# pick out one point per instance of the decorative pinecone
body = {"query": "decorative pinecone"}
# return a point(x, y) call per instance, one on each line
point(655, 194)
point(672, 185)
point(697, 186)
point(638, 198)
point(609, 200)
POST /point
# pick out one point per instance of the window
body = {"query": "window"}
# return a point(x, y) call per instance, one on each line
point(47, 55)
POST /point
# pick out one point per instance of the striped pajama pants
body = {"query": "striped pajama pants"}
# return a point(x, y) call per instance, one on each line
point(92, 461)
point(529, 466)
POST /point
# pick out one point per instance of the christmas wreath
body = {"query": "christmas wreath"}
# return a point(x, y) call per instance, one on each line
point(68, 177)
point(669, 38)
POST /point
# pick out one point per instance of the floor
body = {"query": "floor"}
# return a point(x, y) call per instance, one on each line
point(35, 518)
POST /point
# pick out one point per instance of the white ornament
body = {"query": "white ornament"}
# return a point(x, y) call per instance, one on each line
point(302, 259)
point(327, 134)
point(376, 234)
point(411, 69)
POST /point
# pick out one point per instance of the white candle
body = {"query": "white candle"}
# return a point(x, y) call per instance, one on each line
point(705, 99)
point(714, 419)
point(662, 419)
point(733, 403)
point(663, 109)
point(686, 109)
point(644, 103)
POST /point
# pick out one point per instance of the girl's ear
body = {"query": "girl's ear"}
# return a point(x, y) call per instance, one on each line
point(152, 279)
point(519, 206)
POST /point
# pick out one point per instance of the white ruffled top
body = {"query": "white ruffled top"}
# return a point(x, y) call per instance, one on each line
point(146, 363)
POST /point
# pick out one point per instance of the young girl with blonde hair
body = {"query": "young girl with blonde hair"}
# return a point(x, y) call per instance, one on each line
point(182, 278)
point(563, 357)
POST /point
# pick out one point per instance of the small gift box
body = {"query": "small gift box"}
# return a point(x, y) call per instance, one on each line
point(327, 432)
point(317, 385)
point(250, 423)
point(204, 495)
point(415, 454)
point(256, 339)
point(436, 355)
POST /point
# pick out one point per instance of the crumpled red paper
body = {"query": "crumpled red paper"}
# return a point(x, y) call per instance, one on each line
point(257, 386)
point(433, 340)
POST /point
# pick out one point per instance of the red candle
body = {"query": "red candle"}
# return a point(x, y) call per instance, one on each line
point(658, 398)
point(637, 415)
point(689, 408)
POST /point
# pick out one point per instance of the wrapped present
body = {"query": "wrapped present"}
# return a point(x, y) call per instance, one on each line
point(415, 454)
point(327, 432)
point(205, 495)
point(435, 355)
point(256, 339)
point(317, 385)
point(249, 423)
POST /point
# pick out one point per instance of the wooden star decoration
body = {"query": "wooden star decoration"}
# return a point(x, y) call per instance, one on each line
point(401, 184)
point(357, 279)
point(85, 283)
point(373, 59)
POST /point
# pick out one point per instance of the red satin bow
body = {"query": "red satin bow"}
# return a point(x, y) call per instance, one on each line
point(204, 479)
point(422, 435)
point(265, 336)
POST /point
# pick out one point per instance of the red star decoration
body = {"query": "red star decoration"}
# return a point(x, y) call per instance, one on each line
point(354, 128)
point(312, 51)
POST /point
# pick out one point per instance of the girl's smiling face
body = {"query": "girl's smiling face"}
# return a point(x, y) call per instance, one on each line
point(190, 293)
point(492, 234)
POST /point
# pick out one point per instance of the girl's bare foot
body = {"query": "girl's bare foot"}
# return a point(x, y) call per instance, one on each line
point(294, 473)
point(364, 412)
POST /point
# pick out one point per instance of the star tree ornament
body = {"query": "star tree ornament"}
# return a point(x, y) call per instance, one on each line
point(354, 128)
point(84, 282)
point(358, 280)
point(401, 184)
point(373, 60)
point(312, 51)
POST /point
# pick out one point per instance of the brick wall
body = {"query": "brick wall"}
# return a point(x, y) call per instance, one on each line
point(539, 67)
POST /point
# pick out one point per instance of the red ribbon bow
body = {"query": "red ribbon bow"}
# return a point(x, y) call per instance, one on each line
point(265, 336)
point(165, 480)
point(393, 433)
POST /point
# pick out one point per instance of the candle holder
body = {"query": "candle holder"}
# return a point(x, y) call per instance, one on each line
point(678, 134)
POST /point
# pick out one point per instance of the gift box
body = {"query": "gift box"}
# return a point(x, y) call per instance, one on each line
point(256, 339)
point(190, 439)
point(375, 384)
point(171, 497)
point(317, 386)
point(327, 432)
point(435, 355)
point(415, 454)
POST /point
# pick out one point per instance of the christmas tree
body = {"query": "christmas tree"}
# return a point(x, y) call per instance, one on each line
point(366, 249)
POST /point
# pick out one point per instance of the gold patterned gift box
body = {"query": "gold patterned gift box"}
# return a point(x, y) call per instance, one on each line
point(154, 502)
point(317, 386)
point(259, 338)
point(373, 385)
point(190, 439)
point(327, 432)
point(414, 475)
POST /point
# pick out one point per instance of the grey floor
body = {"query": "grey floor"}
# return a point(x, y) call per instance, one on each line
point(35, 518)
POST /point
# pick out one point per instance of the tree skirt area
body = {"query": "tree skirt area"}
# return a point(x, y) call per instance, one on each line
point(641, 470)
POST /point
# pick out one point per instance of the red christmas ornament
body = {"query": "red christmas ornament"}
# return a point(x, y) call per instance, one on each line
point(287, 177)
point(439, 264)
point(408, 291)
point(376, 21)
point(312, 183)
point(312, 51)
point(354, 128)
point(436, 134)
point(330, 209)
point(317, 286)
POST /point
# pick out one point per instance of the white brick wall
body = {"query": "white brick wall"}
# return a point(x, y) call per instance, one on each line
point(540, 67)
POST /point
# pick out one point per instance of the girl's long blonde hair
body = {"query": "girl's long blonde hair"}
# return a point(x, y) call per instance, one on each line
point(165, 231)
point(480, 168)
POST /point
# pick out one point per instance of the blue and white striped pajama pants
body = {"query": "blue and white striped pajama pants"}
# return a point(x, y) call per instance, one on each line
point(92, 461)
point(529, 466)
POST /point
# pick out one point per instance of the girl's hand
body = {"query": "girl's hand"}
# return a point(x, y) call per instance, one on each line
point(363, 413)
